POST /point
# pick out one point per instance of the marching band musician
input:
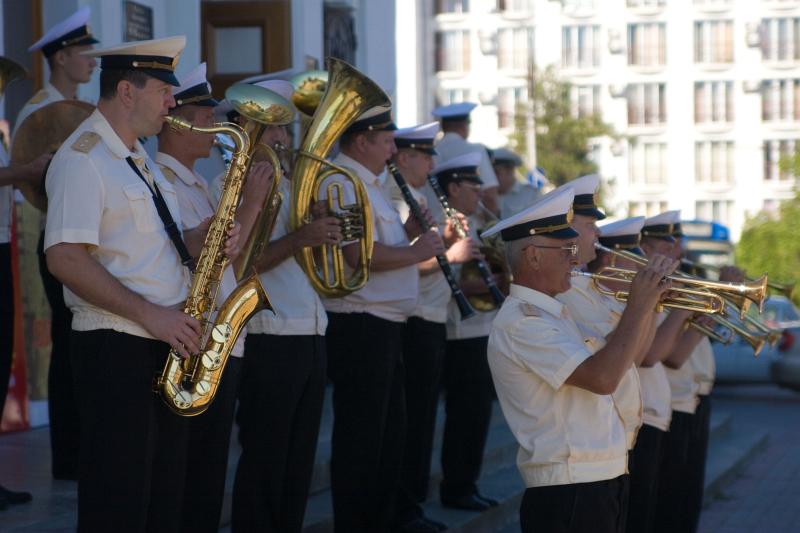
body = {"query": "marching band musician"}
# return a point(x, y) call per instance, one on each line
point(364, 338)
point(555, 385)
point(9, 178)
point(62, 46)
point(110, 239)
point(466, 379)
point(283, 384)
point(513, 194)
point(209, 434)
point(425, 334)
point(455, 126)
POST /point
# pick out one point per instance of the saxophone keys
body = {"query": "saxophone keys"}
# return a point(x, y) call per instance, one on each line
point(203, 387)
point(211, 360)
point(183, 399)
point(221, 333)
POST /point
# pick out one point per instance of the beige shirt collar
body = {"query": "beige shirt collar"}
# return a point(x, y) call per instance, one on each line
point(539, 299)
point(115, 144)
point(363, 172)
point(186, 176)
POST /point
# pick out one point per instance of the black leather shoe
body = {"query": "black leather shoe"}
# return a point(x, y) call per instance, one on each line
point(438, 525)
point(491, 502)
point(468, 502)
point(418, 525)
point(13, 497)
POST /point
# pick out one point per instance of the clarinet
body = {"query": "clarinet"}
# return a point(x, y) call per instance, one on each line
point(464, 307)
point(486, 273)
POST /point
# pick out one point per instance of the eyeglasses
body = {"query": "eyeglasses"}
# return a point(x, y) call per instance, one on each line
point(573, 249)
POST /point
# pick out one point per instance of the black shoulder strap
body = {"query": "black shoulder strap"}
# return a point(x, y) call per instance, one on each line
point(166, 218)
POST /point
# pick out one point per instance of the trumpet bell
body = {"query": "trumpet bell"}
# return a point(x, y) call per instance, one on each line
point(309, 88)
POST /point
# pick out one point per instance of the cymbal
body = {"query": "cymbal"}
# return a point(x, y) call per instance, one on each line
point(43, 132)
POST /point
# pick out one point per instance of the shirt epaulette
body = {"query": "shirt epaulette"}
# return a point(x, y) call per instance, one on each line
point(530, 310)
point(169, 174)
point(86, 142)
point(38, 97)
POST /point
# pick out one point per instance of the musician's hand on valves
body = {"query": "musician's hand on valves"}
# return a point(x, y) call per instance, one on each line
point(451, 233)
point(650, 284)
point(327, 230)
point(731, 274)
point(319, 209)
point(428, 245)
point(704, 320)
point(257, 184)
point(463, 251)
point(232, 248)
point(176, 328)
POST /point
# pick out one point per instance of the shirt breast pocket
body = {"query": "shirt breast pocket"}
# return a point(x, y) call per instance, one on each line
point(142, 207)
point(388, 226)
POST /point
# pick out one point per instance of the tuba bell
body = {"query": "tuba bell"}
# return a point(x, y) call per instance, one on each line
point(348, 94)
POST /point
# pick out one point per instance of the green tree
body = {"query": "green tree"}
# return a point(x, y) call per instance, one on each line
point(562, 140)
point(770, 244)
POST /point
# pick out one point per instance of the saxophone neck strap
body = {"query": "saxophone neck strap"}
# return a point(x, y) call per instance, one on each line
point(170, 227)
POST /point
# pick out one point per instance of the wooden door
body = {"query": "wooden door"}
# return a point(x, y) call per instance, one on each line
point(242, 39)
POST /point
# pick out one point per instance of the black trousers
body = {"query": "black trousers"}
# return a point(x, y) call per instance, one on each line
point(673, 495)
point(423, 356)
point(6, 322)
point(207, 455)
point(365, 364)
point(698, 451)
point(644, 463)
point(62, 401)
point(469, 393)
point(280, 407)
point(133, 448)
point(596, 507)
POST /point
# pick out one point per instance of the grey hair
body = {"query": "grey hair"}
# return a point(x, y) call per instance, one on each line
point(514, 251)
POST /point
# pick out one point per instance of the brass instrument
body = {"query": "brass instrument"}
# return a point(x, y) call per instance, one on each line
point(786, 289)
point(260, 108)
point(348, 95)
point(742, 294)
point(697, 301)
point(309, 88)
point(43, 132)
point(189, 385)
point(477, 269)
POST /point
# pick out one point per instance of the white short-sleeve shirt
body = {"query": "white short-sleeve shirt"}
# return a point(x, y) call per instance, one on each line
point(566, 434)
point(95, 198)
point(46, 95)
point(683, 388)
point(598, 315)
point(388, 294)
point(704, 367)
point(298, 307)
point(195, 205)
point(434, 292)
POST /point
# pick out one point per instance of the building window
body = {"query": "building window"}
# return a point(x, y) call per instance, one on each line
point(647, 44)
point(714, 162)
point(646, 209)
point(713, 102)
point(713, 41)
point(580, 46)
point(585, 100)
point(647, 3)
point(452, 51)
point(647, 162)
point(450, 6)
point(515, 48)
point(647, 104)
point(452, 96)
point(780, 100)
point(515, 6)
point(508, 102)
point(780, 39)
point(773, 152)
point(714, 210)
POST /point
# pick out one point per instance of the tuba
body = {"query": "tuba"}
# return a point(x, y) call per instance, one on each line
point(248, 100)
point(189, 385)
point(348, 95)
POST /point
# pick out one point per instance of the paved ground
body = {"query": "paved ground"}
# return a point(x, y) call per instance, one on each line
point(765, 497)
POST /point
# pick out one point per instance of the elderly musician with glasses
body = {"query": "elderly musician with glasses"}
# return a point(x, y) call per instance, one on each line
point(555, 385)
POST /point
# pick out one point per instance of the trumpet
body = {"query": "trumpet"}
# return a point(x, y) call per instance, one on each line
point(697, 301)
point(786, 289)
point(742, 294)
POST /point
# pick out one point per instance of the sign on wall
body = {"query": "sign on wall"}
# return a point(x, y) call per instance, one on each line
point(138, 23)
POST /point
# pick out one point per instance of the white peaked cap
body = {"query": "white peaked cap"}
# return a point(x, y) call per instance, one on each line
point(587, 184)
point(454, 111)
point(156, 57)
point(667, 217)
point(282, 87)
point(420, 131)
point(194, 77)
point(472, 159)
point(77, 20)
point(627, 226)
point(550, 216)
point(504, 155)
